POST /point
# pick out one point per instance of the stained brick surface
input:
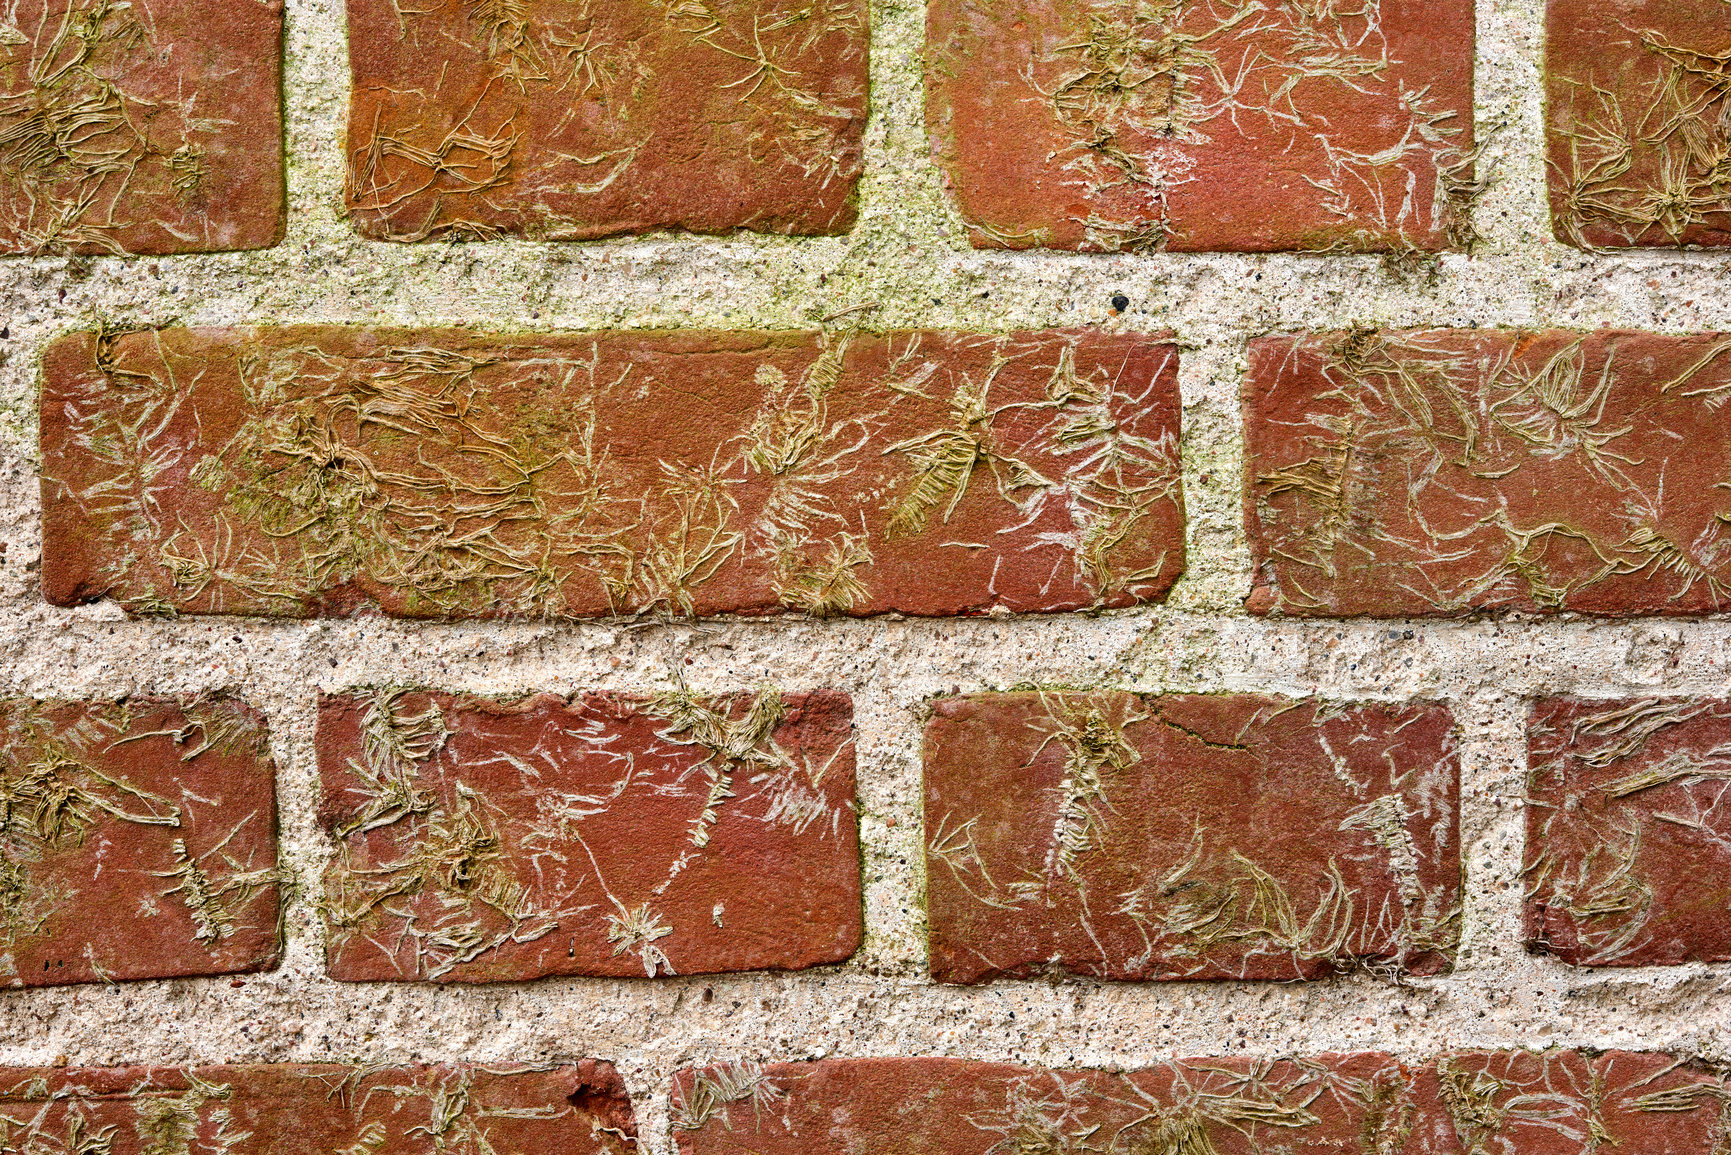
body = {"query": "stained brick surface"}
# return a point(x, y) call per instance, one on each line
point(140, 127)
point(1218, 125)
point(437, 474)
point(1636, 103)
point(1189, 836)
point(554, 120)
point(317, 1108)
point(1436, 473)
point(137, 840)
point(1566, 1102)
point(485, 841)
point(1229, 1106)
point(1626, 861)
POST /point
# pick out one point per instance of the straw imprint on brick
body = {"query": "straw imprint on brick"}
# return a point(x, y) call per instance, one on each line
point(137, 840)
point(1638, 121)
point(118, 136)
point(303, 471)
point(1626, 839)
point(1132, 838)
point(483, 841)
point(1444, 472)
point(556, 120)
point(464, 1109)
point(1359, 1102)
point(1131, 125)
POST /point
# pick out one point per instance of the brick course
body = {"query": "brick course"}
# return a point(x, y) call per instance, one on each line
point(1629, 85)
point(440, 474)
point(1215, 126)
point(138, 839)
point(1626, 861)
point(317, 1108)
point(555, 121)
point(1441, 472)
point(487, 841)
point(141, 128)
point(1189, 836)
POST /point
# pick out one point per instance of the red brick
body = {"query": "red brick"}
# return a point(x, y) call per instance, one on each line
point(562, 121)
point(1215, 125)
point(1189, 836)
point(1439, 473)
point(1229, 1106)
point(485, 841)
point(448, 475)
point(318, 1108)
point(140, 128)
point(1635, 109)
point(1627, 862)
point(1569, 1102)
point(137, 841)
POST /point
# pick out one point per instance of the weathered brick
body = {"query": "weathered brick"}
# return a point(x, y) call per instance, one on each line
point(1626, 857)
point(485, 841)
point(317, 1108)
point(1218, 125)
point(1443, 472)
point(1189, 836)
point(1635, 109)
point(1226, 1106)
point(140, 128)
point(562, 121)
point(443, 474)
point(1569, 1102)
point(137, 840)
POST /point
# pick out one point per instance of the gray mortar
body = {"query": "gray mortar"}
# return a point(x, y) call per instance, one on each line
point(906, 252)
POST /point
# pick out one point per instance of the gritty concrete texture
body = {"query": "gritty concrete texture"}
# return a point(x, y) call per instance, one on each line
point(907, 253)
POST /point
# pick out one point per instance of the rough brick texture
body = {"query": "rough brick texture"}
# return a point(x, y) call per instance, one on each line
point(1221, 125)
point(1189, 836)
point(486, 841)
point(1568, 1102)
point(562, 121)
point(439, 474)
point(140, 127)
point(137, 840)
point(1436, 473)
point(316, 1109)
point(1636, 104)
point(1626, 860)
point(1228, 1106)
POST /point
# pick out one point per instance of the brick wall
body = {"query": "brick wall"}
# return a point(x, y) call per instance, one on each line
point(754, 578)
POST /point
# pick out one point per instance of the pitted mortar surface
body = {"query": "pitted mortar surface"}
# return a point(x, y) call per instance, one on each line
point(909, 261)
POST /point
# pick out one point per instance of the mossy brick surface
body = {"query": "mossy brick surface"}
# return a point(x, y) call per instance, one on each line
point(1180, 836)
point(1438, 473)
point(558, 121)
point(578, 1108)
point(937, 1106)
point(138, 840)
point(484, 841)
point(444, 474)
point(1636, 104)
point(1626, 855)
point(151, 128)
point(1219, 125)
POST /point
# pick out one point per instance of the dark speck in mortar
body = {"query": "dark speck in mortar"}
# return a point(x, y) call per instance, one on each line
point(1120, 302)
